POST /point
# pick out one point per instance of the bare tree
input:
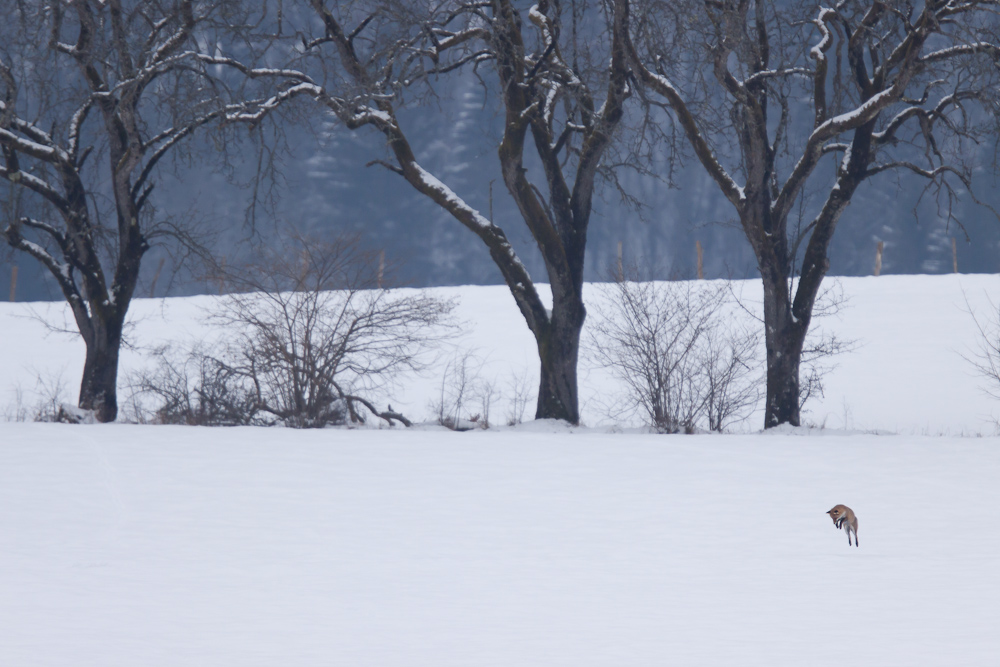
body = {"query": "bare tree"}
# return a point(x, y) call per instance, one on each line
point(93, 96)
point(314, 339)
point(783, 95)
point(682, 362)
point(563, 99)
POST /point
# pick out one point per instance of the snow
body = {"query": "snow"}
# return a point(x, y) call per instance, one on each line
point(452, 200)
point(381, 116)
point(818, 52)
point(845, 163)
point(960, 49)
point(162, 546)
point(542, 544)
point(848, 120)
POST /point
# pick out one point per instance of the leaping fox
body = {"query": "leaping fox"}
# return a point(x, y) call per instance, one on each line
point(843, 517)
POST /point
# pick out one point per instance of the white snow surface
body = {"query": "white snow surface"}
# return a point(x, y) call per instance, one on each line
point(163, 546)
point(540, 544)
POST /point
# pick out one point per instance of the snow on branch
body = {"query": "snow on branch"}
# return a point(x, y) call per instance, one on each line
point(32, 148)
point(59, 237)
point(962, 50)
point(919, 171)
point(172, 43)
point(253, 111)
point(931, 115)
point(828, 129)
point(453, 39)
point(818, 53)
point(514, 271)
point(35, 184)
point(551, 51)
point(29, 139)
point(252, 72)
point(447, 198)
point(353, 114)
point(75, 124)
point(60, 270)
point(777, 73)
point(856, 117)
point(836, 147)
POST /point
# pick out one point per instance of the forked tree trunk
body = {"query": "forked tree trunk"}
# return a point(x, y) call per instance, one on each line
point(558, 352)
point(99, 387)
point(784, 337)
point(784, 353)
point(785, 332)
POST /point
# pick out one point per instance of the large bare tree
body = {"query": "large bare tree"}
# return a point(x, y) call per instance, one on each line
point(562, 93)
point(790, 106)
point(93, 95)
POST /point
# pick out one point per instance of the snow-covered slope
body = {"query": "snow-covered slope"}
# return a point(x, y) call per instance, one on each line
point(906, 374)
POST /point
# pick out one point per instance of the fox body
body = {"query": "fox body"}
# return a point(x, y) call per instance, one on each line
point(843, 517)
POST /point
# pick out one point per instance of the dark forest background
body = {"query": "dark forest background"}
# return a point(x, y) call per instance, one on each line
point(315, 181)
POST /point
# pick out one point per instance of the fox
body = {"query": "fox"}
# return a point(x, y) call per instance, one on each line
point(843, 517)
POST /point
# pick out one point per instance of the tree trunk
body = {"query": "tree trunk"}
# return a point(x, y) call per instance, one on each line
point(784, 351)
point(784, 337)
point(99, 388)
point(558, 350)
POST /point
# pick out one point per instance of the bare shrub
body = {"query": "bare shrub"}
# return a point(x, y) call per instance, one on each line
point(487, 393)
point(192, 388)
point(519, 385)
point(468, 398)
point(308, 341)
point(460, 390)
point(985, 356)
point(682, 364)
point(16, 410)
point(41, 403)
point(731, 366)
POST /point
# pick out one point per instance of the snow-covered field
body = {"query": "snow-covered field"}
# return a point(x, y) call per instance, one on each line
point(536, 545)
point(164, 546)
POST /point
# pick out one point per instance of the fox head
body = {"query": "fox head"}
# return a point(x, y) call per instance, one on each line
point(838, 514)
